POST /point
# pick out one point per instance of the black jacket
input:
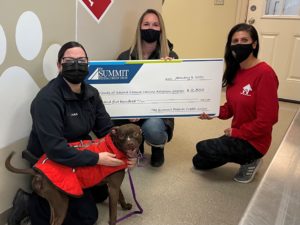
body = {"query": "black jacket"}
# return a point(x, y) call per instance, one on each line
point(60, 116)
point(169, 122)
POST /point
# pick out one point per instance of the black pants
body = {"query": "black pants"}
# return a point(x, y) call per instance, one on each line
point(81, 211)
point(216, 152)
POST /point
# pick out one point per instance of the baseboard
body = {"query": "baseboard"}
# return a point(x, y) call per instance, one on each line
point(289, 100)
point(3, 217)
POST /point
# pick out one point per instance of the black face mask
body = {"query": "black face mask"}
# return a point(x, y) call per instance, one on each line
point(74, 72)
point(150, 35)
point(241, 51)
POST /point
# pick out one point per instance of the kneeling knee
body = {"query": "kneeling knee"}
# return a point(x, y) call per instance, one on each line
point(199, 163)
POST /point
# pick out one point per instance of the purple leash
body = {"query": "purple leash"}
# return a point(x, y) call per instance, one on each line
point(140, 211)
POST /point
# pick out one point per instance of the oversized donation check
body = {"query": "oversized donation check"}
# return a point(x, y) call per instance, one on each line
point(158, 88)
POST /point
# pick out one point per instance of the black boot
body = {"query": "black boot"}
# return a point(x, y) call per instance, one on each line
point(100, 192)
point(20, 208)
point(157, 157)
point(142, 149)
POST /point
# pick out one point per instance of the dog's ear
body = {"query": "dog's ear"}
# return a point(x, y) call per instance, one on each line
point(114, 130)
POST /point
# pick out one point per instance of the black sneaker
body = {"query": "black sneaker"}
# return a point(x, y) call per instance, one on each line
point(20, 208)
point(26, 221)
point(157, 157)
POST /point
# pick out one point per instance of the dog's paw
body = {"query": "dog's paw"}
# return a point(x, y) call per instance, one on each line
point(127, 206)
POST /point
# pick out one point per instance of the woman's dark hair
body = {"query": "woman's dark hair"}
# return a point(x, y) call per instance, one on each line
point(232, 65)
point(66, 46)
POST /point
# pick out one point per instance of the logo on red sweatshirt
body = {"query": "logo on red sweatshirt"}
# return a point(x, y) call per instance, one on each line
point(246, 90)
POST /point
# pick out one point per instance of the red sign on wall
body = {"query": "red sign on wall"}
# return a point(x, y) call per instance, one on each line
point(97, 8)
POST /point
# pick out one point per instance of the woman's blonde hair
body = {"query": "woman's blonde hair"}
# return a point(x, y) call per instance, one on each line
point(163, 42)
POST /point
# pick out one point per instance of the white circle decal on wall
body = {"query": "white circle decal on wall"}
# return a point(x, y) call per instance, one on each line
point(29, 35)
point(17, 89)
point(2, 45)
point(50, 62)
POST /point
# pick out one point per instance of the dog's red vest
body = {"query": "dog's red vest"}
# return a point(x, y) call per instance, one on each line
point(73, 180)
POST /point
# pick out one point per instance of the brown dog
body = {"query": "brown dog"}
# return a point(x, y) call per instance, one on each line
point(127, 138)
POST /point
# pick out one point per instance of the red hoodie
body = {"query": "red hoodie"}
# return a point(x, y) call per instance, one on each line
point(252, 101)
point(73, 180)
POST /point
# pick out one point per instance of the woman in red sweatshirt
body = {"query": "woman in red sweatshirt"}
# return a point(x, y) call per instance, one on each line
point(252, 103)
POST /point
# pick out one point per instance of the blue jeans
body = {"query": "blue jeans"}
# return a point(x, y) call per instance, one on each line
point(155, 132)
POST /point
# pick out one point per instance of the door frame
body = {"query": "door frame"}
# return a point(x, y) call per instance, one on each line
point(241, 11)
